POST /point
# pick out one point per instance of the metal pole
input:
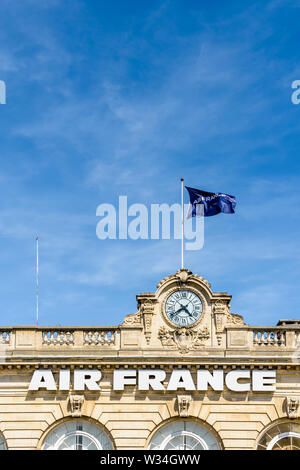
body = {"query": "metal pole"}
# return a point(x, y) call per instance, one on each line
point(37, 281)
point(182, 223)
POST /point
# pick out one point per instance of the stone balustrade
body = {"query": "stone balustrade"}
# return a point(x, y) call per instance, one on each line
point(244, 337)
point(263, 337)
point(269, 337)
point(100, 337)
point(297, 339)
point(5, 336)
point(59, 337)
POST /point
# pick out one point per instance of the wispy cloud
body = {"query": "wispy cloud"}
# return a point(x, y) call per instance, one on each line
point(110, 106)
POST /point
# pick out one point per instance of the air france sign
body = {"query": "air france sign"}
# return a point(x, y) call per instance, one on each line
point(237, 380)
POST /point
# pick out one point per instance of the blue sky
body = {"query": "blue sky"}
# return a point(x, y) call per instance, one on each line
point(123, 98)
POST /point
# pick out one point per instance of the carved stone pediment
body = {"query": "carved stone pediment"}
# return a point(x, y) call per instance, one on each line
point(155, 323)
point(183, 275)
point(183, 339)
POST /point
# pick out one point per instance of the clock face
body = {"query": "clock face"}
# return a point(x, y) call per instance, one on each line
point(183, 307)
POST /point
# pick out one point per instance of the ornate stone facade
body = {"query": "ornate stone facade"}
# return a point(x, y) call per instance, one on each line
point(149, 340)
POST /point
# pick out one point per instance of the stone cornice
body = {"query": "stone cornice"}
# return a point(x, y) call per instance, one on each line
point(155, 363)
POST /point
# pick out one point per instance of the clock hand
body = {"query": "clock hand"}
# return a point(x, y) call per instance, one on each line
point(182, 307)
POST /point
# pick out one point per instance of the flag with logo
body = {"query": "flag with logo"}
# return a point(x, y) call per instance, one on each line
point(203, 203)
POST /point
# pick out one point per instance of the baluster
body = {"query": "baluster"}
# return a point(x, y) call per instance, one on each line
point(259, 338)
point(90, 336)
point(266, 338)
point(105, 337)
point(278, 338)
point(68, 337)
point(96, 337)
point(255, 338)
point(108, 337)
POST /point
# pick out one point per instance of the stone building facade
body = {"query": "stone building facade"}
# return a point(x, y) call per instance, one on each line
point(181, 373)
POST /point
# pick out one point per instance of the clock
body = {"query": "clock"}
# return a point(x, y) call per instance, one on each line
point(183, 308)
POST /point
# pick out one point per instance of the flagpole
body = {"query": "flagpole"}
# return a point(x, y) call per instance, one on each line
point(37, 281)
point(182, 223)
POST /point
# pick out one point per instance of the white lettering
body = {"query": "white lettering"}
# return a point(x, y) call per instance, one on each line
point(88, 378)
point(181, 379)
point(295, 95)
point(42, 379)
point(106, 227)
point(138, 227)
point(124, 377)
point(64, 379)
point(232, 378)
point(151, 378)
point(263, 380)
point(239, 380)
point(214, 379)
point(2, 92)
point(165, 210)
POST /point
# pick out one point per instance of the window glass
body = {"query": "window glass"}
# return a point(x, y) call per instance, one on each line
point(283, 436)
point(77, 435)
point(2, 443)
point(183, 435)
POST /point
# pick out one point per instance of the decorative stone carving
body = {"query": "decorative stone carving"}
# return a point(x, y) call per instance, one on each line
point(224, 317)
point(76, 402)
point(165, 337)
point(292, 405)
point(148, 312)
point(183, 402)
point(183, 275)
point(221, 306)
point(200, 278)
point(183, 339)
point(133, 319)
point(165, 279)
point(220, 310)
point(233, 319)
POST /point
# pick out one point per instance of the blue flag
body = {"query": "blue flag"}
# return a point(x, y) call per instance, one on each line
point(207, 204)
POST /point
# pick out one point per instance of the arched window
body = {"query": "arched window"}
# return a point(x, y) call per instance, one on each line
point(2, 443)
point(183, 435)
point(282, 436)
point(77, 435)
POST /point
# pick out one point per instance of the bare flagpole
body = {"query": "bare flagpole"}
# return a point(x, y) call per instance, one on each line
point(182, 223)
point(37, 281)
